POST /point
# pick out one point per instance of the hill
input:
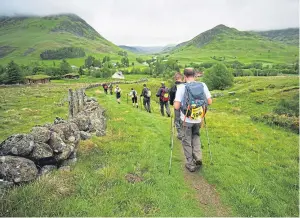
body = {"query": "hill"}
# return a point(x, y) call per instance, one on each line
point(229, 44)
point(25, 38)
point(288, 36)
point(147, 49)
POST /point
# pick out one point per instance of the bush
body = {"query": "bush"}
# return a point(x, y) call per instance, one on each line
point(61, 53)
point(288, 107)
point(218, 77)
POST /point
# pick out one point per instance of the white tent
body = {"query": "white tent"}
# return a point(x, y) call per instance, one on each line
point(118, 75)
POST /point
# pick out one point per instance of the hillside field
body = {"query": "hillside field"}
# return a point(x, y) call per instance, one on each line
point(125, 173)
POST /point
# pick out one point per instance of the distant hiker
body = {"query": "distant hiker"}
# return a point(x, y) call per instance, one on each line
point(192, 98)
point(105, 87)
point(163, 94)
point(133, 95)
point(118, 93)
point(172, 93)
point(110, 86)
point(146, 93)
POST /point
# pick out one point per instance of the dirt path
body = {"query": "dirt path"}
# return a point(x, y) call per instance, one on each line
point(207, 195)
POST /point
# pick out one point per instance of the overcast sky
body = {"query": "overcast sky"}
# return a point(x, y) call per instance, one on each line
point(162, 22)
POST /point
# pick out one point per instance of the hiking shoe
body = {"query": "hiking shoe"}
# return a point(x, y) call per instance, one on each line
point(198, 162)
point(191, 168)
point(179, 137)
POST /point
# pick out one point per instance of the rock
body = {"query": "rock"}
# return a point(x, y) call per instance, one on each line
point(100, 133)
point(66, 130)
point(47, 169)
point(82, 121)
point(5, 184)
point(64, 155)
point(40, 134)
point(89, 99)
point(73, 155)
point(18, 144)
point(56, 143)
point(59, 120)
point(231, 93)
point(85, 135)
point(65, 168)
point(17, 169)
point(41, 150)
point(71, 139)
point(69, 162)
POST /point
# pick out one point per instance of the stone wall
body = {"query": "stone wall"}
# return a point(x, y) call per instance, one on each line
point(24, 157)
point(117, 82)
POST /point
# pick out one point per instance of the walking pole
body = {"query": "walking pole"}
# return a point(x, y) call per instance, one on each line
point(140, 103)
point(172, 143)
point(208, 142)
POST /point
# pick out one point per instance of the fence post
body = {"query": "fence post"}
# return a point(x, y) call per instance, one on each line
point(75, 103)
point(80, 98)
point(70, 99)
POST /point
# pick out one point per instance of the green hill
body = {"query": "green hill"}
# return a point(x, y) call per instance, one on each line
point(288, 36)
point(25, 38)
point(229, 44)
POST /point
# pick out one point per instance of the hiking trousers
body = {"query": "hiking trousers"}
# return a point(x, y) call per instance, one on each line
point(178, 123)
point(146, 103)
point(166, 105)
point(191, 142)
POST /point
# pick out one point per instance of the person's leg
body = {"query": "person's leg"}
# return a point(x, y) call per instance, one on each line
point(136, 103)
point(162, 108)
point(145, 104)
point(168, 109)
point(187, 147)
point(196, 144)
point(132, 99)
point(149, 106)
point(178, 123)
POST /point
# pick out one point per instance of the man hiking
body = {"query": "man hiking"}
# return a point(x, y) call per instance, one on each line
point(192, 98)
point(105, 87)
point(110, 86)
point(172, 92)
point(163, 94)
point(146, 93)
point(118, 93)
point(133, 95)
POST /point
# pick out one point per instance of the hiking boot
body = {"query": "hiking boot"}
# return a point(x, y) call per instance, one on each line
point(198, 162)
point(179, 137)
point(190, 167)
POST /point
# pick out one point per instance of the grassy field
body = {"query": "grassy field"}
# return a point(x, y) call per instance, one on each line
point(125, 173)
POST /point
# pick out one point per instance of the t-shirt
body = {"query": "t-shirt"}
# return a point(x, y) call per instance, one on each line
point(180, 95)
point(118, 90)
point(132, 93)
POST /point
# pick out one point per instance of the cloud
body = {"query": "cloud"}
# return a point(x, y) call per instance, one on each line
point(161, 22)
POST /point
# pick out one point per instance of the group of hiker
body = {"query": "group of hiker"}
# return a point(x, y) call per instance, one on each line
point(190, 100)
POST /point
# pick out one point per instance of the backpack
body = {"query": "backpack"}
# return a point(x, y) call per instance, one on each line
point(194, 101)
point(134, 93)
point(148, 93)
point(164, 96)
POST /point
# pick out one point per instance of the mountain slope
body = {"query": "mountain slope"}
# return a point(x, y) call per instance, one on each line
point(26, 37)
point(287, 36)
point(224, 43)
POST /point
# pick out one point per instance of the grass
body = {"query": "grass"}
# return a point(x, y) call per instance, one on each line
point(255, 166)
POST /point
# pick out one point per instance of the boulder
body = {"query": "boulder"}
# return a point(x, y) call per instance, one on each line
point(82, 121)
point(85, 135)
point(69, 162)
point(5, 184)
point(47, 169)
point(64, 155)
point(41, 150)
point(65, 168)
point(66, 130)
point(40, 134)
point(17, 169)
point(56, 143)
point(18, 144)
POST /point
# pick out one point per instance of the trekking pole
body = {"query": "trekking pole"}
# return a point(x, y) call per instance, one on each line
point(208, 142)
point(172, 143)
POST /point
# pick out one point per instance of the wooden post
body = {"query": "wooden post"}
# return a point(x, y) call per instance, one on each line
point(70, 99)
point(75, 103)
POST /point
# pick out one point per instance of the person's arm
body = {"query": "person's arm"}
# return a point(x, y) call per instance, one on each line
point(179, 96)
point(207, 94)
point(158, 92)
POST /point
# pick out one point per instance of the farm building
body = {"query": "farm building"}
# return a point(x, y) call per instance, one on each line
point(118, 75)
point(71, 76)
point(37, 79)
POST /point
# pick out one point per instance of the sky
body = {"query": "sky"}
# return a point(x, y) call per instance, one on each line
point(163, 22)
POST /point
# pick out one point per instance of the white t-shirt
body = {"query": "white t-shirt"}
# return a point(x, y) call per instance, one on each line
point(180, 95)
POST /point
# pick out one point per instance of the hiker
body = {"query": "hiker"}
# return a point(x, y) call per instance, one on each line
point(105, 87)
point(110, 86)
point(192, 98)
point(133, 95)
point(146, 93)
point(172, 93)
point(118, 93)
point(163, 94)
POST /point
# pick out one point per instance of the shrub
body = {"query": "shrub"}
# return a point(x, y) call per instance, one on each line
point(218, 77)
point(288, 107)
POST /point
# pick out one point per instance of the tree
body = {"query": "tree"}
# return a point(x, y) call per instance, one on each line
point(13, 73)
point(97, 63)
point(218, 77)
point(89, 62)
point(80, 71)
point(106, 59)
point(65, 67)
point(125, 61)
